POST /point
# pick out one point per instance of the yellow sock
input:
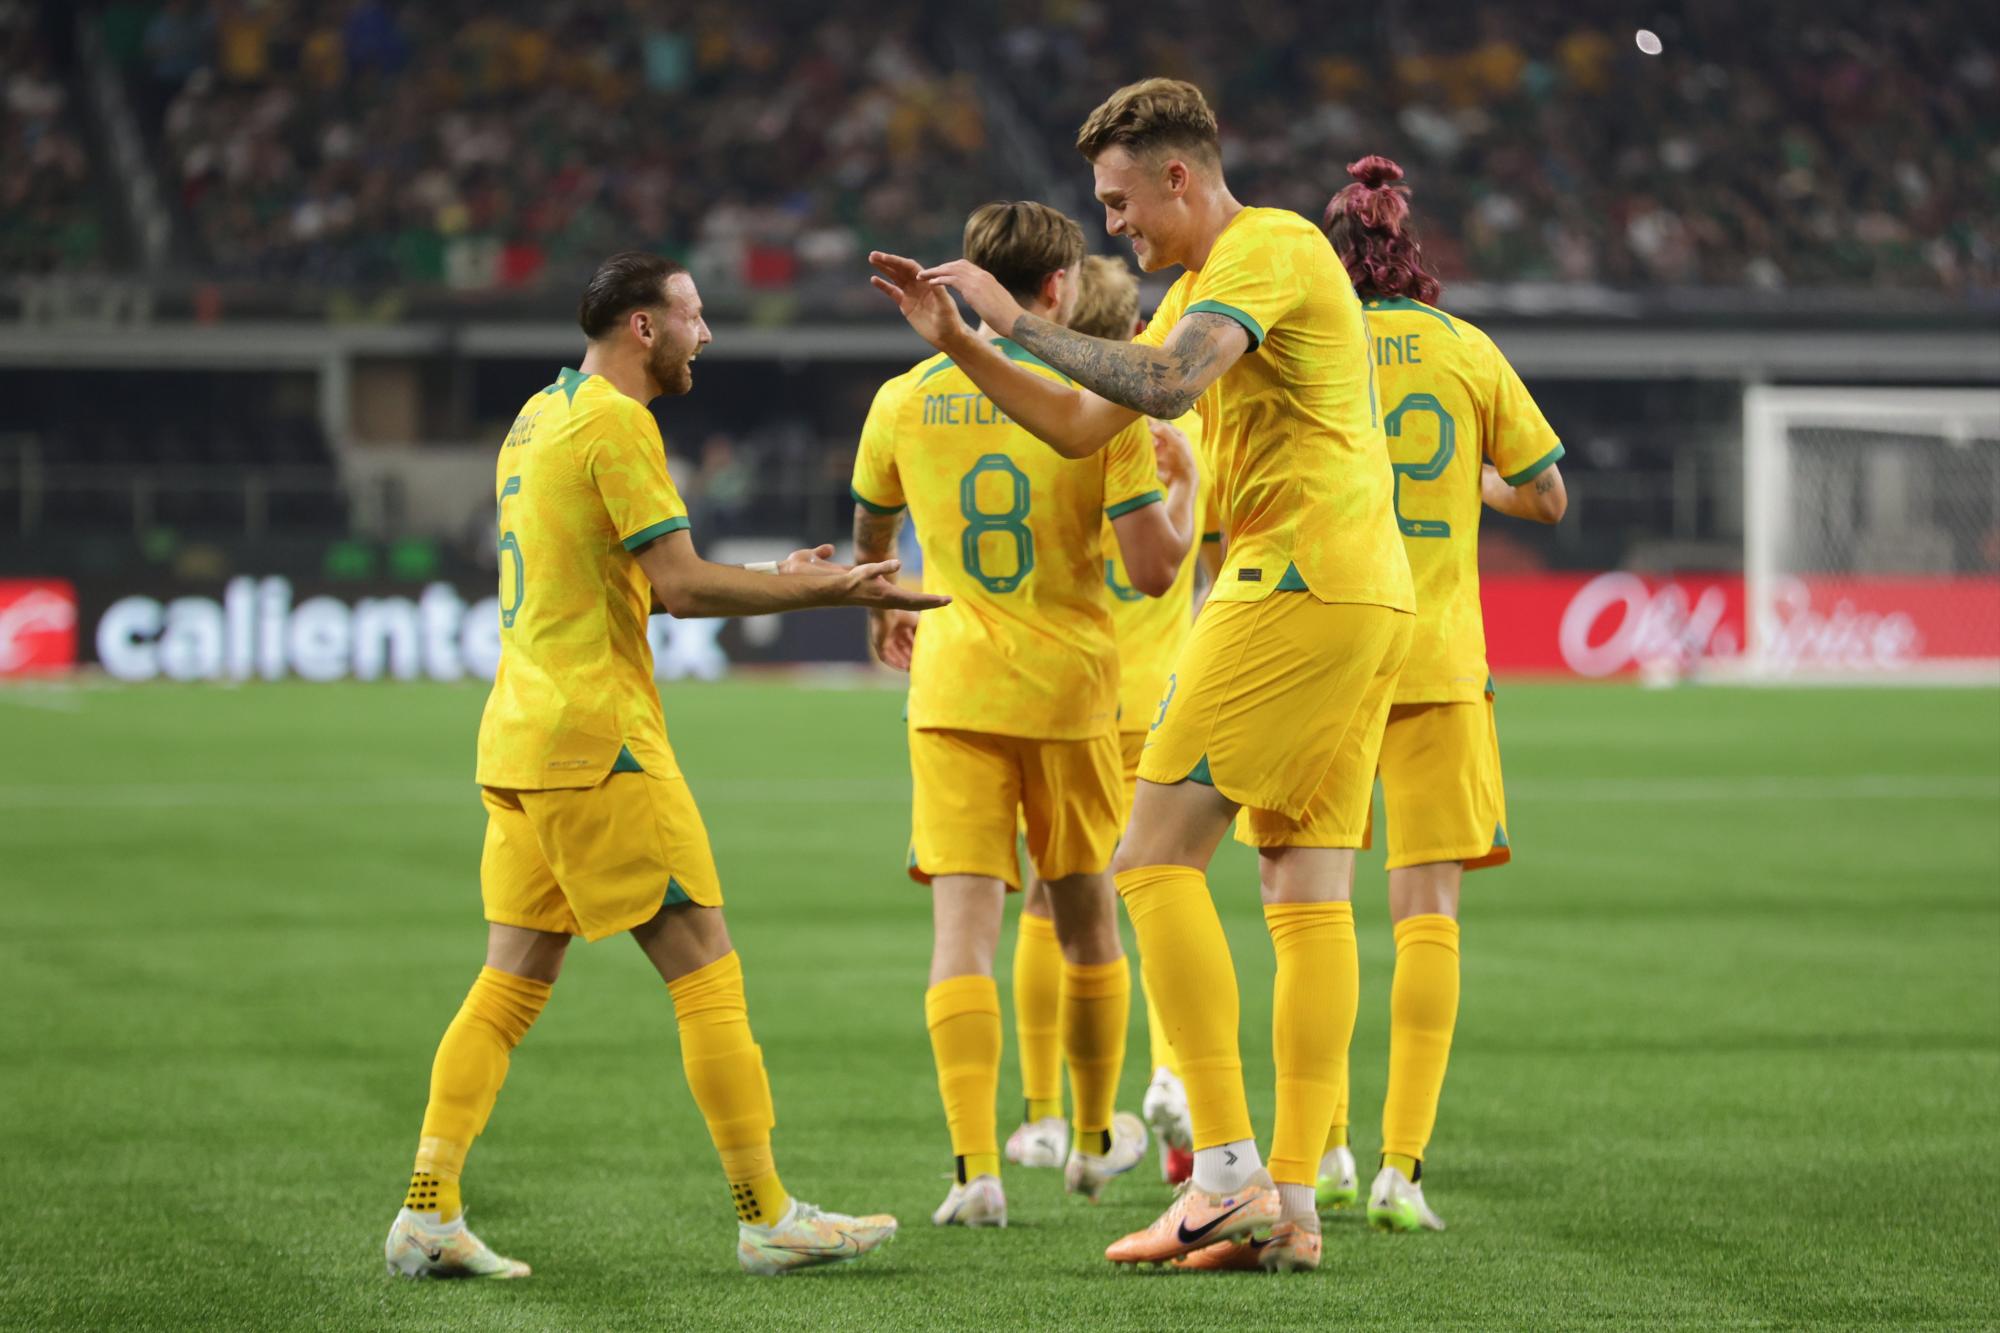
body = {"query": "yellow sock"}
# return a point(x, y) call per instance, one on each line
point(1192, 981)
point(1336, 1137)
point(471, 1065)
point(1156, 1033)
point(1096, 1009)
point(725, 1072)
point(963, 1015)
point(1038, 973)
point(1423, 1010)
point(1313, 1000)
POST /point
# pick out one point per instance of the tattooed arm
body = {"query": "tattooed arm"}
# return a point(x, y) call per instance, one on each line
point(1541, 500)
point(1156, 381)
point(892, 634)
point(1160, 382)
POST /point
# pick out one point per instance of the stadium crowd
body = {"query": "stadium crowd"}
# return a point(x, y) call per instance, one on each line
point(494, 143)
point(48, 219)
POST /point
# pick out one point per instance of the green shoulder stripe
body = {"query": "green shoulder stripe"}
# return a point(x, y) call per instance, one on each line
point(660, 529)
point(1536, 468)
point(1124, 507)
point(871, 506)
point(1250, 326)
point(1405, 303)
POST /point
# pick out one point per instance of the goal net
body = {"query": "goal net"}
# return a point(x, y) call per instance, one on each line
point(1872, 534)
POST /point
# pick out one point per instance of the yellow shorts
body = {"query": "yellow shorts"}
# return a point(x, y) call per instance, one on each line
point(969, 784)
point(1280, 704)
point(594, 861)
point(1441, 792)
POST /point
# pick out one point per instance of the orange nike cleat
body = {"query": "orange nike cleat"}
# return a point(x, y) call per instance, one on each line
point(1199, 1219)
point(1290, 1248)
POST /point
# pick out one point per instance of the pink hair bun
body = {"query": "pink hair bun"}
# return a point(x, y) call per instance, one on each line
point(1375, 171)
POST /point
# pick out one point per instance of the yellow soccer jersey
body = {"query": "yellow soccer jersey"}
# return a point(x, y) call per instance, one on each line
point(1150, 630)
point(582, 482)
point(1010, 529)
point(1294, 440)
point(1449, 399)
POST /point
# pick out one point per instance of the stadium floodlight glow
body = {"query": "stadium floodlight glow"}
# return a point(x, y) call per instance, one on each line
point(1871, 531)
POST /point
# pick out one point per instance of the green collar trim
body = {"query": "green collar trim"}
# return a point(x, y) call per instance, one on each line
point(1405, 303)
point(569, 381)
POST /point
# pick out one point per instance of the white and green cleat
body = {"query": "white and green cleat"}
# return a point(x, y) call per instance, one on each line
point(1339, 1180)
point(806, 1237)
point(419, 1246)
point(1396, 1203)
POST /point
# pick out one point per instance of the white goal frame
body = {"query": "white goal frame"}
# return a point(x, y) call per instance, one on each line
point(1769, 416)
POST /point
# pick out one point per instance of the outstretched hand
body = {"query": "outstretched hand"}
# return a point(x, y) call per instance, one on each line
point(927, 306)
point(893, 637)
point(874, 586)
point(816, 560)
point(980, 290)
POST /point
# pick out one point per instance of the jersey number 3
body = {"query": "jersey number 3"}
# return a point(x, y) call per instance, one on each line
point(1392, 426)
point(1010, 523)
point(510, 545)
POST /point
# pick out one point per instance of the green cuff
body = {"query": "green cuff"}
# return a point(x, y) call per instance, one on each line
point(1536, 468)
point(1124, 507)
point(1211, 536)
point(871, 506)
point(660, 529)
point(1250, 326)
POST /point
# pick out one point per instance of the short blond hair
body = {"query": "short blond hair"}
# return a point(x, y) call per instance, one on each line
point(1107, 299)
point(1021, 242)
point(1151, 115)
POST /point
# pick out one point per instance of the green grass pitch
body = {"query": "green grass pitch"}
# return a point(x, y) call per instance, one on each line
point(1727, 1056)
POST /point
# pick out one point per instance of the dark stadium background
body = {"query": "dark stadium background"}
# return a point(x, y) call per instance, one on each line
point(276, 274)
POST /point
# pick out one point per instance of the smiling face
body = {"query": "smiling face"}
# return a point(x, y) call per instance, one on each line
point(674, 334)
point(1145, 201)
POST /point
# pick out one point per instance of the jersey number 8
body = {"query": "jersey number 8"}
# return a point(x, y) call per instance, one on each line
point(1010, 521)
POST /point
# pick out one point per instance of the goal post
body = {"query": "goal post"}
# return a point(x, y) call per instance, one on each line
point(1871, 527)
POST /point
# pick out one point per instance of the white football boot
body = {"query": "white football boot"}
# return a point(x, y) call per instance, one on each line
point(1043, 1142)
point(1339, 1179)
point(806, 1237)
point(420, 1247)
point(1088, 1173)
point(979, 1202)
point(1396, 1203)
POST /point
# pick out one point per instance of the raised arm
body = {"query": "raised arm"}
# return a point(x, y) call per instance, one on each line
point(1074, 423)
point(1543, 499)
point(687, 586)
point(1161, 381)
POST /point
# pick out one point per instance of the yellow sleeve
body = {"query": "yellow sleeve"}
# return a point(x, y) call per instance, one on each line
point(1519, 439)
point(1254, 276)
point(876, 486)
point(627, 461)
point(1168, 315)
point(1131, 477)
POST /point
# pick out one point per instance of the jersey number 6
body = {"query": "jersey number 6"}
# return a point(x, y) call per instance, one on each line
point(511, 545)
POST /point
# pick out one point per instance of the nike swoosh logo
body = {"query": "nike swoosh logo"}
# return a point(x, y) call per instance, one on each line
point(1190, 1237)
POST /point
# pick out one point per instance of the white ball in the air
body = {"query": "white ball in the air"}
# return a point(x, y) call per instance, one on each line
point(1649, 41)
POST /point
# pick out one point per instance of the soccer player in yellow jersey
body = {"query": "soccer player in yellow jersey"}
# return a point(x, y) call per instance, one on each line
point(1462, 428)
point(1279, 698)
point(1014, 699)
point(1150, 632)
point(590, 827)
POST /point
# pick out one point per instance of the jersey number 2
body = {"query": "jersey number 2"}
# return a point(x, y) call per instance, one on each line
point(1011, 521)
point(1392, 426)
point(510, 545)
